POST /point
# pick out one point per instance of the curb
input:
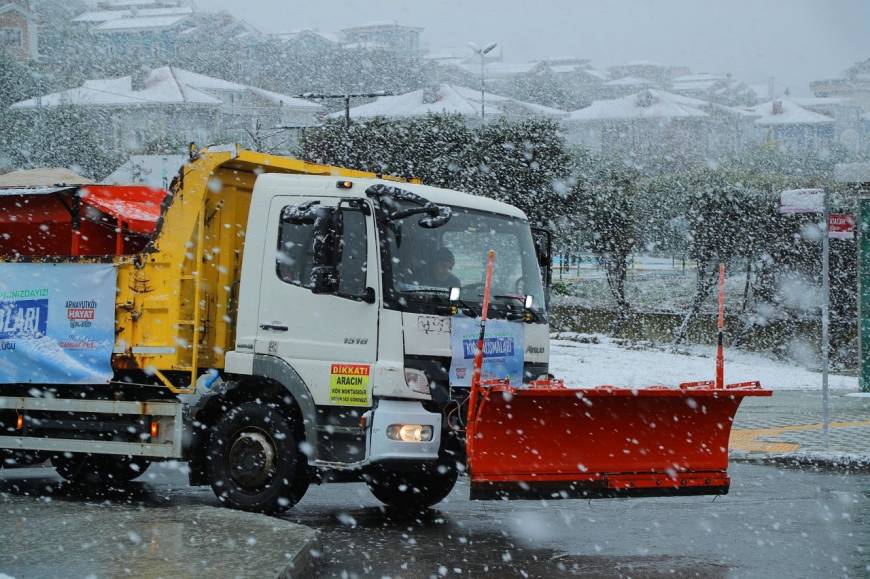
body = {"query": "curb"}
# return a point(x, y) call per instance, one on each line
point(819, 460)
point(304, 563)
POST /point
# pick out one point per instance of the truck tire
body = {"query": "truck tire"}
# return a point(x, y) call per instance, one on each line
point(253, 460)
point(100, 469)
point(415, 489)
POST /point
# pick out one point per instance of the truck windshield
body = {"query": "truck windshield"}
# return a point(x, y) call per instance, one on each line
point(427, 263)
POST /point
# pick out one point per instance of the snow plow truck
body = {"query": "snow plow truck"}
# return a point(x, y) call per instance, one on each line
point(276, 323)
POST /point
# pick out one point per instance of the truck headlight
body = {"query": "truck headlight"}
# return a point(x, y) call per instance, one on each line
point(417, 380)
point(409, 432)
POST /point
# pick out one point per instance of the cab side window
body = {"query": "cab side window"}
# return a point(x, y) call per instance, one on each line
point(295, 256)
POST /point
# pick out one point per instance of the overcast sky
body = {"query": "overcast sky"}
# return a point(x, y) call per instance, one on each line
point(795, 41)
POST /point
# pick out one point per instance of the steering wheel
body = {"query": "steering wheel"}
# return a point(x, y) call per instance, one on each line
point(518, 286)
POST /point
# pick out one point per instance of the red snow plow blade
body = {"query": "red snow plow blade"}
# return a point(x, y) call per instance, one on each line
point(549, 441)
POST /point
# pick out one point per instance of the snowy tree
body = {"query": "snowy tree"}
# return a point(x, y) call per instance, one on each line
point(521, 163)
point(541, 85)
point(62, 136)
point(718, 213)
point(518, 162)
point(606, 207)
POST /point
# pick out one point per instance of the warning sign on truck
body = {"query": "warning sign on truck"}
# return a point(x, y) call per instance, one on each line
point(349, 384)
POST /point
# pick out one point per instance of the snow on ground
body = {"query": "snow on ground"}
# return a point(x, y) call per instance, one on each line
point(580, 363)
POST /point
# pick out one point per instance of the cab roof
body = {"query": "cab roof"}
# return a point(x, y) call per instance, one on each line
point(329, 187)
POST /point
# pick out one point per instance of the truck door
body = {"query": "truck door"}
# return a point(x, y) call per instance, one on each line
point(326, 328)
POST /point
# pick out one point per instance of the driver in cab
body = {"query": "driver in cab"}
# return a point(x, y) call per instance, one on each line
point(442, 267)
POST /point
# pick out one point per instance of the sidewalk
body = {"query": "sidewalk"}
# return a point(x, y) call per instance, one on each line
point(788, 428)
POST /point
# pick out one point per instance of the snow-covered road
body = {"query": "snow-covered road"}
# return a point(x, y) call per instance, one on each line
point(589, 364)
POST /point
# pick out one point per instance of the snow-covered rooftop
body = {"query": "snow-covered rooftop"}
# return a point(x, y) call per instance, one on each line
point(139, 23)
point(96, 16)
point(42, 177)
point(154, 171)
point(629, 81)
point(649, 103)
point(500, 70)
point(645, 63)
point(450, 99)
point(134, 3)
point(821, 101)
point(380, 25)
point(786, 112)
point(166, 85)
point(292, 35)
point(697, 82)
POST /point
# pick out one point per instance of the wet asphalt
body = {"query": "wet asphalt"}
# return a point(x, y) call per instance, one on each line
point(774, 523)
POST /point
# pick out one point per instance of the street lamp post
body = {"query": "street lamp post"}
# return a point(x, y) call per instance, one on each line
point(483, 52)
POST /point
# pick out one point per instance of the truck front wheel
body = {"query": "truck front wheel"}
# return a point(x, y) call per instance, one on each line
point(414, 489)
point(254, 463)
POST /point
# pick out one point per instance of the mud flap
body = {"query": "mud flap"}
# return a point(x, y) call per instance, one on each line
point(549, 441)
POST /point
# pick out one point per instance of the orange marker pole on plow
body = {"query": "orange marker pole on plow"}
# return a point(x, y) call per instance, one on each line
point(720, 347)
point(478, 356)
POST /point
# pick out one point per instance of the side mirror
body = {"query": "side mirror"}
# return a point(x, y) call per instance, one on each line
point(326, 249)
point(543, 240)
point(304, 214)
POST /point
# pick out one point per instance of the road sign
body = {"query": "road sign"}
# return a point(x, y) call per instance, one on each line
point(802, 201)
point(841, 226)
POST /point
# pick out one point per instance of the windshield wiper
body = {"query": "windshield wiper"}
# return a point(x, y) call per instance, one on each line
point(520, 299)
point(535, 315)
point(430, 290)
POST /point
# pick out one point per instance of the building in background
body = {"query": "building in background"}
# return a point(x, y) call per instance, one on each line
point(449, 99)
point(717, 88)
point(168, 107)
point(847, 115)
point(843, 98)
point(309, 40)
point(384, 35)
point(659, 74)
point(19, 32)
point(137, 28)
point(652, 122)
point(795, 128)
point(154, 28)
point(854, 85)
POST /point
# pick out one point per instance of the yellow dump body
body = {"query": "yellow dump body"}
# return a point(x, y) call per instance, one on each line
point(176, 306)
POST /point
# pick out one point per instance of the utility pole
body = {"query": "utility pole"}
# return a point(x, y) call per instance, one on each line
point(346, 98)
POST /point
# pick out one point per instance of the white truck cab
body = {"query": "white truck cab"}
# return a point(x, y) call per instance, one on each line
point(338, 288)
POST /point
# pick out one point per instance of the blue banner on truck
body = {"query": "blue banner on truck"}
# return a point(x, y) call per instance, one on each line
point(57, 323)
point(503, 350)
